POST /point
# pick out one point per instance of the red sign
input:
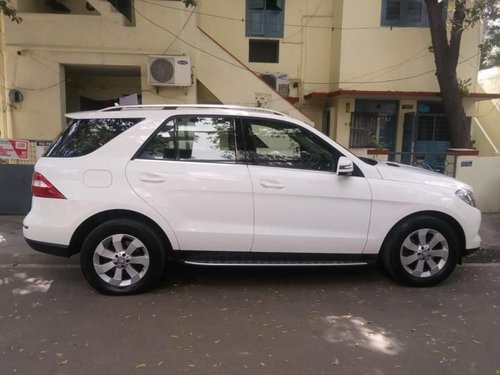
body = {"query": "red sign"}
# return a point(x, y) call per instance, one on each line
point(14, 149)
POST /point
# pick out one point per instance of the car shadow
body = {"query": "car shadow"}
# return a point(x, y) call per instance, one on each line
point(264, 275)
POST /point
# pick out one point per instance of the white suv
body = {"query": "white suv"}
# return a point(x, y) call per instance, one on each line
point(132, 188)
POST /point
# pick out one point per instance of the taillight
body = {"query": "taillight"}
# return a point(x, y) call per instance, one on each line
point(41, 187)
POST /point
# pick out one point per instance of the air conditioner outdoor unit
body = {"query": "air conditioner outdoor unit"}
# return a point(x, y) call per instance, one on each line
point(277, 81)
point(169, 71)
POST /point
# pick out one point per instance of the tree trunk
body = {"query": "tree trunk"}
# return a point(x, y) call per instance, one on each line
point(446, 58)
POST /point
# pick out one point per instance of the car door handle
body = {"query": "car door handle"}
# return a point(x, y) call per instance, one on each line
point(152, 177)
point(270, 184)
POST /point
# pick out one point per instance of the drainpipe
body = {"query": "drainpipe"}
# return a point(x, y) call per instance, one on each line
point(5, 130)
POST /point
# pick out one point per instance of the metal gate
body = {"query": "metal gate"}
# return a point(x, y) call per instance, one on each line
point(425, 140)
point(15, 189)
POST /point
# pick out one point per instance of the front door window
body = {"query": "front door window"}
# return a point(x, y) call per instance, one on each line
point(278, 144)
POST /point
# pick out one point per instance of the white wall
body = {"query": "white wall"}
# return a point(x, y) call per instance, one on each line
point(36, 51)
point(371, 53)
point(484, 177)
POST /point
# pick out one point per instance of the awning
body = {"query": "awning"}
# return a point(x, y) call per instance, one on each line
point(395, 94)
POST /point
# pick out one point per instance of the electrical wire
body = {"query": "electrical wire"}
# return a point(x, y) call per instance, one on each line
point(306, 82)
point(180, 31)
point(303, 26)
point(35, 89)
point(187, 43)
point(332, 28)
point(43, 64)
point(388, 80)
point(391, 67)
point(177, 37)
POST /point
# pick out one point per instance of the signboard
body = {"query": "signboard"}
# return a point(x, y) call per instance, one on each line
point(14, 149)
point(41, 148)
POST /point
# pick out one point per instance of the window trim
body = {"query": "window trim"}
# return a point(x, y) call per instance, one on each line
point(265, 14)
point(403, 21)
point(264, 41)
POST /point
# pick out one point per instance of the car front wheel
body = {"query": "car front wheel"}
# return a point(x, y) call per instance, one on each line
point(421, 251)
point(122, 257)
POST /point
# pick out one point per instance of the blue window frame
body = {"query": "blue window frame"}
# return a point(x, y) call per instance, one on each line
point(265, 18)
point(404, 13)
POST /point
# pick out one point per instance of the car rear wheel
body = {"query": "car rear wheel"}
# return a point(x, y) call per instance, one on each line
point(122, 257)
point(422, 251)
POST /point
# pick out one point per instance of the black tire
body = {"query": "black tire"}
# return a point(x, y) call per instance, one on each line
point(421, 251)
point(124, 244)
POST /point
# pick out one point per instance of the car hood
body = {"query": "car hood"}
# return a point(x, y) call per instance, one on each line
point(401, 172)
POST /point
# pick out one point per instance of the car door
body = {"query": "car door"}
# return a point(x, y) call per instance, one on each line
point(189, 172)
point(301, 204)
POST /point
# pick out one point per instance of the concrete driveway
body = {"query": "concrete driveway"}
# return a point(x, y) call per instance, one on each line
point(247, 321)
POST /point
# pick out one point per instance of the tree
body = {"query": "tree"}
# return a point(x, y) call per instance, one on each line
point(490, 48)
point(446, 46)
point(9, 11)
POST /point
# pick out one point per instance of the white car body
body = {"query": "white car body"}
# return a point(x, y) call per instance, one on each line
point(213, 207)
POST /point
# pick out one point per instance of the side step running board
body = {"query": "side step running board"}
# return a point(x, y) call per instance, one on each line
point(272, 263)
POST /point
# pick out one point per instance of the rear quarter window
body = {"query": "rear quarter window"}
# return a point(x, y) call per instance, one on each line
point(81, 137)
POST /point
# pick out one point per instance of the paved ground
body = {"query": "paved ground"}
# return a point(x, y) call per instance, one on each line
point(240, 321)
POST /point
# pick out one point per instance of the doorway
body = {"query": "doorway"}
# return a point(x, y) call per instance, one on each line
point(425, 136)
point(92, 87)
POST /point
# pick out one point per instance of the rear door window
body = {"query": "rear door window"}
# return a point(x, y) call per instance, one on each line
point(84, 136)
point(194, 138)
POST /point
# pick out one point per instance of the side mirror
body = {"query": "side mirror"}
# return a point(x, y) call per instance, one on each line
point(345, 167)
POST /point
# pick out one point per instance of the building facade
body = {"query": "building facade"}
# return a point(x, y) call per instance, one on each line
point(361, 71)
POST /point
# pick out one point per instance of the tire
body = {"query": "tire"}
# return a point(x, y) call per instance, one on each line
point(122, 257)
point(421, 252)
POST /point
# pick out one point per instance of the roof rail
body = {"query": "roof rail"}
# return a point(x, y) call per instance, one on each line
point(170, 107)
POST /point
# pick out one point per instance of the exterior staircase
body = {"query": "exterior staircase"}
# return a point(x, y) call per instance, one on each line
point(232, 82)
point(486, 124)
point(108, 10)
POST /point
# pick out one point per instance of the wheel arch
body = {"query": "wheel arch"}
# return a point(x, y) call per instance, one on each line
point(457, 228)
point(92, 222)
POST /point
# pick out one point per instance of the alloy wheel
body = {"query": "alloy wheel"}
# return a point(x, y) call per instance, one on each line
point(424, 253)
point(121, 260)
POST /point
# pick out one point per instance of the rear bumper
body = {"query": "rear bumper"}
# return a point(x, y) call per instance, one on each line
point(49, 248)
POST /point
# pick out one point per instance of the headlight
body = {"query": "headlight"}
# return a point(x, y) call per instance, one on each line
point(467, 196)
